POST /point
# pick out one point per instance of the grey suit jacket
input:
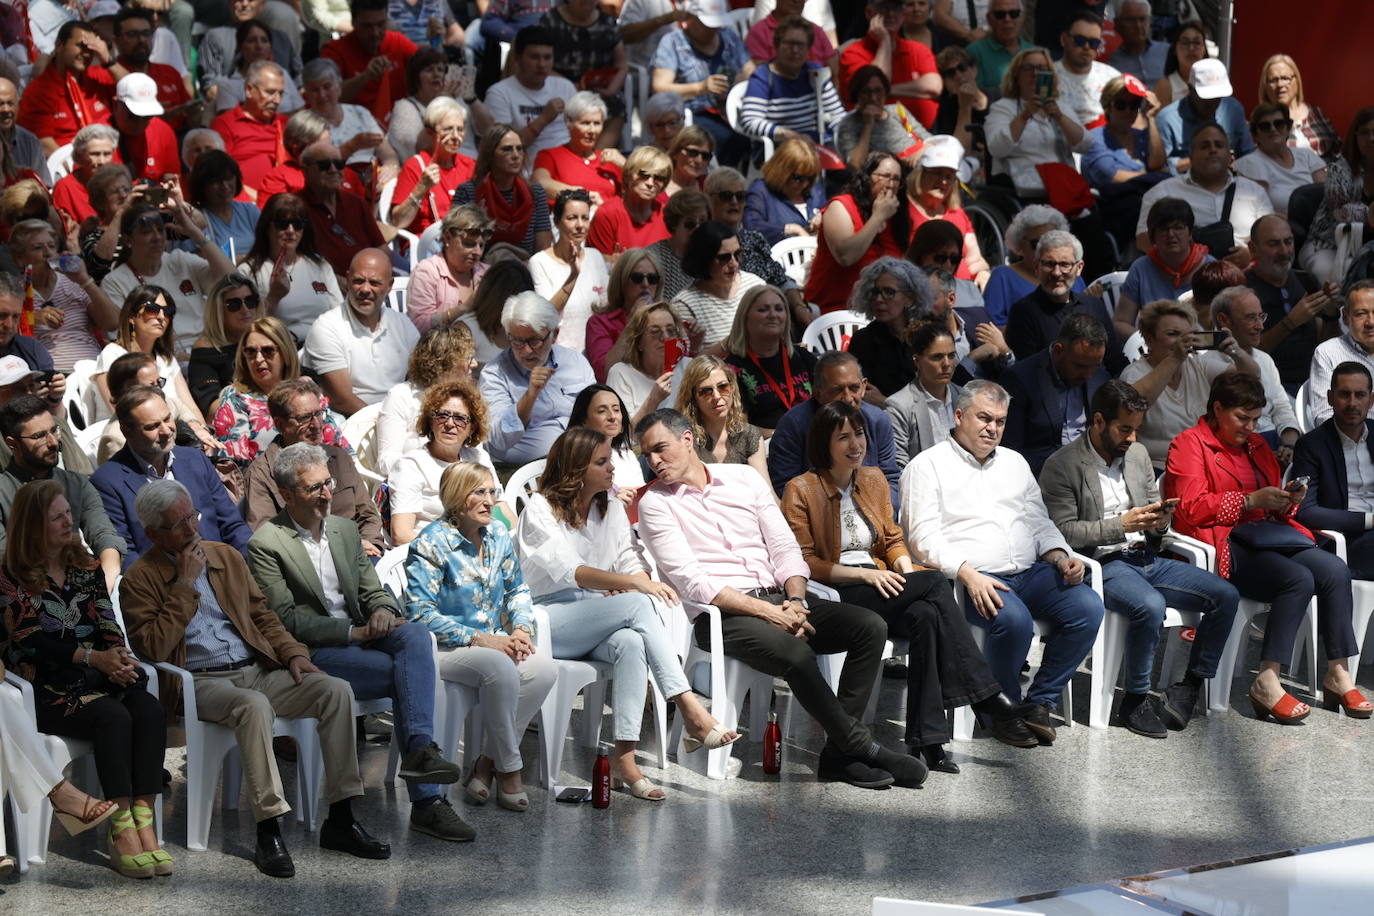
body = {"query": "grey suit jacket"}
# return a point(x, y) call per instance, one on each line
point(911, 428)
point(288, 579)
point(1073, 493)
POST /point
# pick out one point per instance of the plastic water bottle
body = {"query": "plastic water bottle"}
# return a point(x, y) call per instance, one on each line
point(601, 778)
point(772, 746)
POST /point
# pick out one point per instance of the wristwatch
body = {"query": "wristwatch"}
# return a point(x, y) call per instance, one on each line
point(802, 602)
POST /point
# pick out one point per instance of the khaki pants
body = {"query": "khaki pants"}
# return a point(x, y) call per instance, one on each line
point(247, 700)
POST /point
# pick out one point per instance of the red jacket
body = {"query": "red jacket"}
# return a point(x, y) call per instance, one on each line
point(1211, 481)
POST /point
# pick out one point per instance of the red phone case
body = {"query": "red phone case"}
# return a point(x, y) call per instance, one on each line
point(673, 350)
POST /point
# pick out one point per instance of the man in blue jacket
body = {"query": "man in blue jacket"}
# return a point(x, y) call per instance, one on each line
point(149, 454)
point(838, 377)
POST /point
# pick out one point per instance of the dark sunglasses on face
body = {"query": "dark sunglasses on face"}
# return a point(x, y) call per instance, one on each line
point(703, 154)
point(1127, 103)
point(329, 165)
point(946, 258)
point(737, 197)
point(963, 67)
point(803, 179)
point(725, 257)
point(1280, 124)
point(155, 308)
point(1083, 41)
point(235, 303)
point(651, 279)
point(268, 352)
point(705, 391)
point(642, 175)
point(1005, 14)
point(289, 222)
point(444, 417)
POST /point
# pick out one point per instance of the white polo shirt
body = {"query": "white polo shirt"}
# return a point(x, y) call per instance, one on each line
point(376, 360)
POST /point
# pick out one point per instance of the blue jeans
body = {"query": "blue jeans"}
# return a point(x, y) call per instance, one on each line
point(399, 666)
point(1038, 593)
point(1140, 594)
point(625, 632)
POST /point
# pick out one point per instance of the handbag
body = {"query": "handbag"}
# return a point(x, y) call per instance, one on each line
point(1267, 534)
point(1219, 237)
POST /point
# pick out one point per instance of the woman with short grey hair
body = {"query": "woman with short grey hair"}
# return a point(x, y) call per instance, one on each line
point(424, 189)
point(1010, 282)
point(891, 293)
point(353, 129)
point(664, 116)
point(93, 146)
point(580, 163)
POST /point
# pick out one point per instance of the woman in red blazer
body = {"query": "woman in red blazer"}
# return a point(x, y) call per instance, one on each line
point(1226, 478)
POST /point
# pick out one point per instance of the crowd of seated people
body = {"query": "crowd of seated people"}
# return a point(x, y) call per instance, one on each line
point(261, 338)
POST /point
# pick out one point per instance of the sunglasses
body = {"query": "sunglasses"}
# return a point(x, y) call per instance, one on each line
point(946, 258)
point(884, 292)
point(1005, 14)
point(642, 175)
point(289, 222)
point(528, 343)
point(1280, 124)
point(956, 69)
point(471, 238)
point(445, 417)
point(705, 391)
point(651, 279)
point(703, 154)
point(737, 197)
point(1128, 103)
point(329, 165)
point(268, 353)
point(1083, 41)
point(153, 308)
point(725, 257)
point(236, 303)
point(803, 179)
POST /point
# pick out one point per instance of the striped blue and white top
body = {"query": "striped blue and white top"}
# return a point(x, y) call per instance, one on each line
point(772, 101)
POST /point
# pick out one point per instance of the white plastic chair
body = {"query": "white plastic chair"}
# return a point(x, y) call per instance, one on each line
point(1111, 287)
point(24, 826)
point(89, 439)
point(411, 251)
point(832, 331)
point(742, 20)
point(361, 432)
point(795, 254)
point(1303, 408)
point(1134, 347)
point(384, 195)
point(77, 398)
point(1363, 592)
point(524, 482)
point(734, 99)
point(396, 296)
point(60, 163)
point(429, 244)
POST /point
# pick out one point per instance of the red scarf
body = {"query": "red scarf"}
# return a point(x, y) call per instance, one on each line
point(81, 105)
point(512, 219)
point(1190, 264)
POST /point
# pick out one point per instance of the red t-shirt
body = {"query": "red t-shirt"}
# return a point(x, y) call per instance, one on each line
point(57, 105)
point(612, 227)
point(435, 204)
point(71, 197)
point(956, 216)
point(910, 59)
point(353, 59)
point(830, 283)
point(152, 155)
point(569, 168)
point(342, 234)
point(256, 145)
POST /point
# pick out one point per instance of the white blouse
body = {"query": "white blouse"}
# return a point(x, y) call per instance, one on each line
point(314, 291)
point(396, 433)
point(550, 551)
point(588, 292)
point(415, 482)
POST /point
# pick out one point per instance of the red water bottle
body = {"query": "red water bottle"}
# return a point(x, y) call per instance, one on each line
point(772, 746)
point(601, 778)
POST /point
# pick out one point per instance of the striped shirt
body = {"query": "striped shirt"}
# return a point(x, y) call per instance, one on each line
point(772, 101)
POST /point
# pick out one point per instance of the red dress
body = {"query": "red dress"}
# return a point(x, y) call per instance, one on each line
point(958, 217)
point(435, 204)
point(592, 174)
point(613, 228)
point(830, 282)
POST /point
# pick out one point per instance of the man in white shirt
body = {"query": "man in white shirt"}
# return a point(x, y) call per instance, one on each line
point(1081, 76)
point(532, 99)
point(362, 348)
point(1355, 345)
point(1237, 310)
point(316, 577)
point(973, 510)
point(1101, 492)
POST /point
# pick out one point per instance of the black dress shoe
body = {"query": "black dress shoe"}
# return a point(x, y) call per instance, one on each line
point(1143, 719)
point(1037, 719)
point(1177, 705)
point(837, 766)
point(999, 706)
point(938, 760)
point(907, 771)
point(1013, 732)
point(354, 840)
point(272, 859)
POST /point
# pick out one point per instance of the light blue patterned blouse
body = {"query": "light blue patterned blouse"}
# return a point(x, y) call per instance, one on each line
point(457, 594)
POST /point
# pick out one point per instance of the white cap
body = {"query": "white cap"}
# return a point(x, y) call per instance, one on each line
point(941, 152)
point(713, 13)
point(1209, 79)
point(13, 369)
point(138, 92)
point(102, 8)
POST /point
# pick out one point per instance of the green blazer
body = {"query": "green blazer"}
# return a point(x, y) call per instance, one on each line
point(289, 581)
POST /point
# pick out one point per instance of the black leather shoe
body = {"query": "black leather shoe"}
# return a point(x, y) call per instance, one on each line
point(354, 840)
point(272, 859)
point(837, 766)
point(1177, 706)
point(936, 758)
point(907, 771)
point(1144, 720)
point(1013, 732)
point(999, 706)
point(1037, 719)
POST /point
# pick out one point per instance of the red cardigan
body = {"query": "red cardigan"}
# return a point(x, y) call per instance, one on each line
point(1211, 480)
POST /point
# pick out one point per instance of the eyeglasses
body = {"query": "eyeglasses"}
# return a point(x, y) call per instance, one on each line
point(963, 67)
point(445, 417)
point(651, 279)
point(725, 257)
point(528, 343)
point(45, 434)
point(470, 237)
point(802, 179)
point(692, 225)
point(1058, 265)
point(1127, 103)
point(268, 352)
point(235, 303)
point(1083, 41)
point(511, 148)
point(884, 292)
point(799, 45)
point(1194, 43)
point(670, 124)
point(290, 222)
point(737, 197)
point(148, 309)
point(310, 416)
point(491, 493)
point(1175, 229)
point(659, 333)
point(315, 489)
point(329, 165)
point(1005, 14)
point(950, 258)
point(1279, 80)
point(190, 521)
point(642, 175)
point(1034, 68)
point(703, 154)
point(705, 391)
point(1279, 124)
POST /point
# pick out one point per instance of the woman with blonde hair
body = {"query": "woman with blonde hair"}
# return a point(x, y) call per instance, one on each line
point(635, 218)
point(441, 354)
point(773, 375)
point(68, 305)
point(1281, 84)
point(442, 286)
point(464, 582)
point(1025, 131)
point(787, 201)
point(708, 396)
point(577, 552)
point(636, 280)
point(230, 310)
point(643, 379)
point(453, 424)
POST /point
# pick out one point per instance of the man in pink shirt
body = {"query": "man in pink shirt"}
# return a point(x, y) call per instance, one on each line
point(720, 539)
point(759, 42)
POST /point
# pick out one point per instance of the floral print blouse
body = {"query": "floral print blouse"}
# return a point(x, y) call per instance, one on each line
point(457, 593)
point(43, 631)
point(245, 426)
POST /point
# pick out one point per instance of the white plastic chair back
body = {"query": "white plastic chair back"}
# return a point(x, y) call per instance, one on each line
point(89, 439)
point(384, 196)
point(795, 254)
point(1303, 408)
point(1111, 287)
point(361, 432)
point(524, 483)
point(391, 570)
point(832, 331)
point(742, 21)
point(60, 163)
point(429, 244)
point(1134, 347)
point(80, 392)
point(396, 298)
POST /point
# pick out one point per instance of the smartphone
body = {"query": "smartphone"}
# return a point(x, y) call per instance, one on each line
point(155, 194)
point(1208, 340)
point(674, 348)
point(46, 375)
point(574, 794)
point(1044, 85)
point(1297, 483)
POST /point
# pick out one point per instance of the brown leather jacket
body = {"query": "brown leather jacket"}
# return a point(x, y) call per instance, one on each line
point(811, 505)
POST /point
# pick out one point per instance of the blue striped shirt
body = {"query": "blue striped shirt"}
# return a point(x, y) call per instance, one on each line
point(772, 101)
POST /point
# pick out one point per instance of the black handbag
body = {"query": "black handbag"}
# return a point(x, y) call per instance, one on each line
point(1266, 534)
point(1219, 237)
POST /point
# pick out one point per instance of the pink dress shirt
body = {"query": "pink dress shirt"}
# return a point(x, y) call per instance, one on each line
point(432, 290)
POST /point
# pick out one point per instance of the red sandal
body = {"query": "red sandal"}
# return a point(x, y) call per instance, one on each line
point(1352, 703)
point(1287, 711)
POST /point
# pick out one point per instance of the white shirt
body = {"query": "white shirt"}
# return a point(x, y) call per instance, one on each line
point(396, 433)
point(167, 369)
point(323, 563)
point(632, 385)
point(314, 291)
point(1251, 202)
point(1042, 141)
point(588, 292)
point(1280, 182)
point(414, 482)
point(641, 53)
point(1116, 500)
point(1081, 93)
point(713, 316)
point(550, 551)
point(1328, 355)
point(1359, 473)
point(989, 515)
point(186, 277)
point(1176, 409)
point(375, 360)
point(513, 103)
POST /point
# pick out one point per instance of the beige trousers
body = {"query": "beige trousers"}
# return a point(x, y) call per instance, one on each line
point(247, 700)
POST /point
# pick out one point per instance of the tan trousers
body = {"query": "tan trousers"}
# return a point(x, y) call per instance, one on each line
point(247, 700)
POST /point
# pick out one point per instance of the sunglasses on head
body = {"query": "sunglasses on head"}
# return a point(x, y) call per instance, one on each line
point(289, 222)
point(236, 303)
point(651, 279)
point(329, 165)
point(1083, 41)
point(1005, 14)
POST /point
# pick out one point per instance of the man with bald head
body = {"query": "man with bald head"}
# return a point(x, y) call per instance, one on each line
point(343, 222)
point(362, 348)
point(22, 144)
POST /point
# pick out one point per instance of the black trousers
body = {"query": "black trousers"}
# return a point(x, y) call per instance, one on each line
point(129, 734)
point(945, 668)
point(1288, 582)
point(839, 628)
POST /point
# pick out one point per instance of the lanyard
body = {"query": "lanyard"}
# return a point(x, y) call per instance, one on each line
point(791, 397)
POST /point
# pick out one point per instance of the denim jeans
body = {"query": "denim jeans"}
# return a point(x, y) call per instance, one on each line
point(399, 666)
point(625, 632)
point(1141, 592)
point(1039, 593)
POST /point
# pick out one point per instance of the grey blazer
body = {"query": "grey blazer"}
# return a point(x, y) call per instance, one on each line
point(911, 431)
point(1073, 494)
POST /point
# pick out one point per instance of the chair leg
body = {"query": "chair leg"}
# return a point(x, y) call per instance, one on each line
point(1106, 670)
